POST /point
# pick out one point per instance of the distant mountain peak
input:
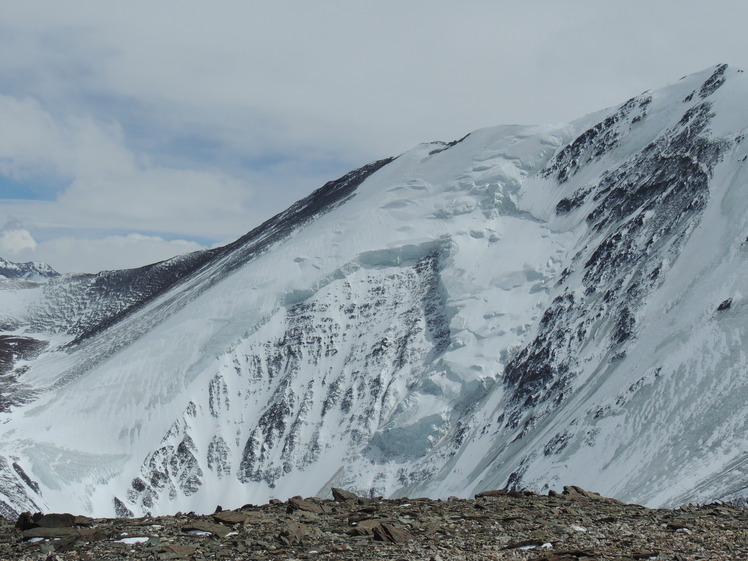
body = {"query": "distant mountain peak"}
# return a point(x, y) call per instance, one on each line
point(30, 270)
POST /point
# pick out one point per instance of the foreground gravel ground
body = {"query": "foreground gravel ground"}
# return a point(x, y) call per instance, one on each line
point(495, 525)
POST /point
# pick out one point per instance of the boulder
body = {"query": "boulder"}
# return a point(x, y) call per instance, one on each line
point(297, 503)
point(341, 495)
point(390, 533)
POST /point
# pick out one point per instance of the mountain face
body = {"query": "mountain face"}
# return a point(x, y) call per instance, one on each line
point(31, 271)
point(526, 307)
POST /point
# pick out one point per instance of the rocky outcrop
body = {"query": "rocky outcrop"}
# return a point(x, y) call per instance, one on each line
point(501, 524)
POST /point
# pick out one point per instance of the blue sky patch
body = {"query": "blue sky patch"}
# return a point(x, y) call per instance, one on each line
point(36, 189)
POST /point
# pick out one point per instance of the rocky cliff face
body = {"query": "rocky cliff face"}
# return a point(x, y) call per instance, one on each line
point(525, 307)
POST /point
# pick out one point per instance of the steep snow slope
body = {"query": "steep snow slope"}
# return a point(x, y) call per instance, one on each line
point(530, 306)
point(635, 380)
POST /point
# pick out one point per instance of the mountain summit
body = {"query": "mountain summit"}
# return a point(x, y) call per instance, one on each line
point(526, 307)
point(29, 271)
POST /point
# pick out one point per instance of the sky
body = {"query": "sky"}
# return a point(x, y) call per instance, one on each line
point(134, 131)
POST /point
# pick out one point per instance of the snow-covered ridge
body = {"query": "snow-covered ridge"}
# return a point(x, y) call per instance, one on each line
point(527, 306)
point(31, 271)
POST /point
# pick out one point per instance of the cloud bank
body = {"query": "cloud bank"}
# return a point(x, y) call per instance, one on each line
point(194, 121)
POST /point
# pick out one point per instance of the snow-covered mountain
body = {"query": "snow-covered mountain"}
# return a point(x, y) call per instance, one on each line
point(528, 306)
point(31, 271)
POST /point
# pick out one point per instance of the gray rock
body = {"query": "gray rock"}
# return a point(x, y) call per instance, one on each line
point(341, 495)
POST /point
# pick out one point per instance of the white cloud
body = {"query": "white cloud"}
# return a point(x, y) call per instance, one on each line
point(105, 181)
point(31, 143)
point(105, 186)
point(363, 77)
point(16, 241)
point(80, 255)
point(112, 181)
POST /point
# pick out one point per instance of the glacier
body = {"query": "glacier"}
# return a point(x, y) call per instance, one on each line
point(529, 306)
